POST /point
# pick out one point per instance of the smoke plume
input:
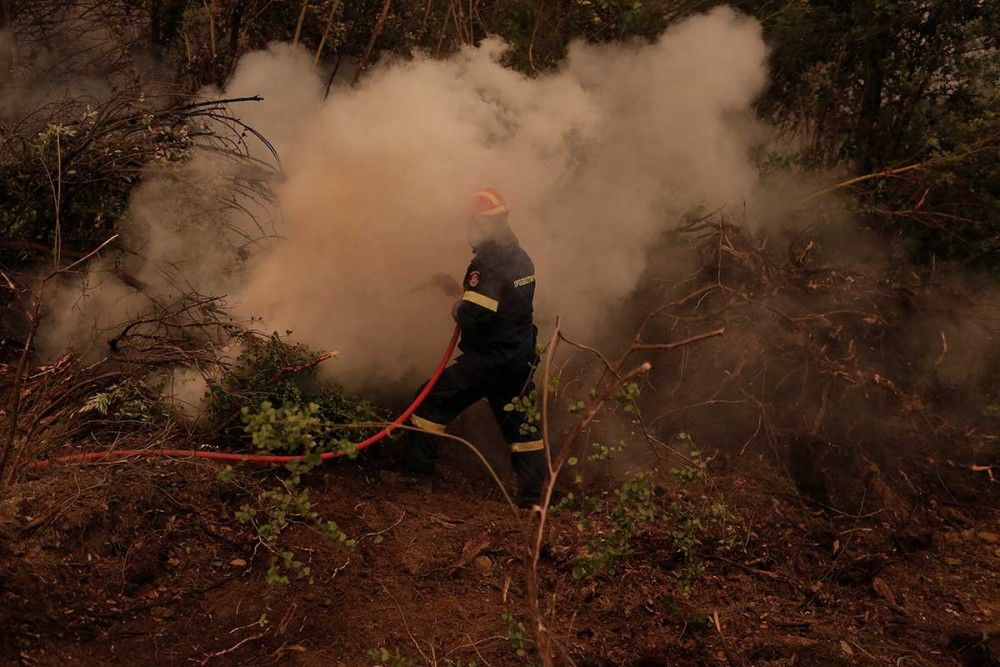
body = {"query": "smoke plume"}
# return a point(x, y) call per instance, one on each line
point(594, 159)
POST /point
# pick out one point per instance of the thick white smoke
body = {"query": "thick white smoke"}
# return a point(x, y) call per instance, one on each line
point(594, 160)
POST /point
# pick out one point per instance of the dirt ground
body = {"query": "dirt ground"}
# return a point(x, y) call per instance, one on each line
point(143, 564)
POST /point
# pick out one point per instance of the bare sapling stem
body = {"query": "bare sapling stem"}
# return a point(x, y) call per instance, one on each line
point(612, 380)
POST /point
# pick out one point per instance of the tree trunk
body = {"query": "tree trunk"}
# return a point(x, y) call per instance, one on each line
point(235, 26)
point(165, 19)
point(6, 13)
point(875, 51)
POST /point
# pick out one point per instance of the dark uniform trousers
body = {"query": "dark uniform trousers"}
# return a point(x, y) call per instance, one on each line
point(468, 379)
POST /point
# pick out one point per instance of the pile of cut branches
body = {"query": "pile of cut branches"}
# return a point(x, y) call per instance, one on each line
point(831, 372)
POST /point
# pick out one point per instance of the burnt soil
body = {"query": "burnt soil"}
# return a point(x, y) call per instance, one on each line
point(144, 564)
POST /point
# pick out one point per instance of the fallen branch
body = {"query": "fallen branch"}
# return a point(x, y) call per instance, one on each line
point(681, 343)
point(310, 364)
point(232, 648)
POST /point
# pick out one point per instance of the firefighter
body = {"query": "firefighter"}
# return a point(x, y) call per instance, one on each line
point(498, 344)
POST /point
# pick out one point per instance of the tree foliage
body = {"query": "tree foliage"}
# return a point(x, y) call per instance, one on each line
point(865, 86)
point(878, 85)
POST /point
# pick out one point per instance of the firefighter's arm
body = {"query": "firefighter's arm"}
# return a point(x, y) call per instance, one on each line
point(481, 298)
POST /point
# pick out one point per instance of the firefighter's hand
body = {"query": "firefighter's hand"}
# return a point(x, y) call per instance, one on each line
point(454, 309)
point(447, 284)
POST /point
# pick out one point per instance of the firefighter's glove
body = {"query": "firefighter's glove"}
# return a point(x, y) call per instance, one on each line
point(447, 284)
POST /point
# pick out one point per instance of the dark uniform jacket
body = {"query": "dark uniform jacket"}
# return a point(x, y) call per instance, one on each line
point(495, 314)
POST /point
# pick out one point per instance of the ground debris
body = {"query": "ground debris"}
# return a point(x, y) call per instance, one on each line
point(639, 613)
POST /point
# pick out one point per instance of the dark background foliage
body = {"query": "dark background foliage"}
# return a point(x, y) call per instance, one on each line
point(906, 91)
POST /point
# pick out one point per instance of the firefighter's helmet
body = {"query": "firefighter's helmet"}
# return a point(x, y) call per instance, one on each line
point(488, 203)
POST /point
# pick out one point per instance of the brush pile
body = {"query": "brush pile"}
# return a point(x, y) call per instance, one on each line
point(847, 379)
point(178, 376)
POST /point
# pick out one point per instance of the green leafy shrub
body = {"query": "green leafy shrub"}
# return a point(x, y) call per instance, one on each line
point(298, 430)
point(294, 429)
point(530, 408)
point(518, 636)
point(275, 509)
point(127, 401)
point(635, 509)
point(696, 467)
point(267, 370)
point(693, 522)
point(272, 389)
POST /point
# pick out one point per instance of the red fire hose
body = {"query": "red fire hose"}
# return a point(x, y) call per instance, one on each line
point(260, 458)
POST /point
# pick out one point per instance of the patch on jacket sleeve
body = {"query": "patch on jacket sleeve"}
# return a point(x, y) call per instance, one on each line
point(473, 278)
point(527, 280)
